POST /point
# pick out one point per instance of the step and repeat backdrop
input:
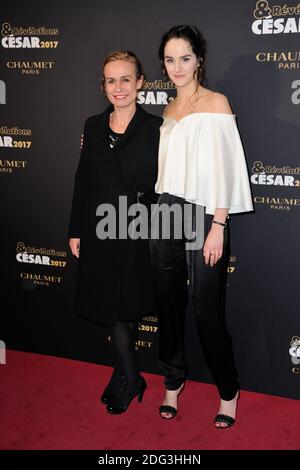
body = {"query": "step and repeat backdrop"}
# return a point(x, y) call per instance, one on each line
point(50, 62)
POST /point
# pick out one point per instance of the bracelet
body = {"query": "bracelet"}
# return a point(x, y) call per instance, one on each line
point(219, 223)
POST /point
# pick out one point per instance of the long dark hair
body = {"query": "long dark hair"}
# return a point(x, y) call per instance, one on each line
point(194, 37)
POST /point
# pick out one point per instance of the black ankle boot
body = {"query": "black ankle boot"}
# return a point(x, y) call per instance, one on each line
point(112, 389)
point(125, 396)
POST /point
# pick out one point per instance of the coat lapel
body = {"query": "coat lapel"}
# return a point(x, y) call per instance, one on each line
point(138, 117)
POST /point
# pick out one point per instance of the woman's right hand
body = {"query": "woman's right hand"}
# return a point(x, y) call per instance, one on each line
point(75, 246)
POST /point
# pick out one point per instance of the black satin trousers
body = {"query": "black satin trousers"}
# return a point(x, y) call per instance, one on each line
point(180, 273)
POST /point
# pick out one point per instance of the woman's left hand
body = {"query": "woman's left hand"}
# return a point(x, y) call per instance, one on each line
point(213, 246)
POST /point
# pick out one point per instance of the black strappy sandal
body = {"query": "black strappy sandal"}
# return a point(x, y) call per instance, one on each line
point(171, 410)
point(228, 420)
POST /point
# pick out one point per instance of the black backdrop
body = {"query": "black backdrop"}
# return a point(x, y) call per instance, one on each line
point(47, 92)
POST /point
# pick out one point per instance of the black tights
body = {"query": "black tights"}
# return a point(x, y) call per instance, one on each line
point(124, 336)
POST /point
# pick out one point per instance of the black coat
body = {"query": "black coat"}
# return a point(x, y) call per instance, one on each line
point(114, 277)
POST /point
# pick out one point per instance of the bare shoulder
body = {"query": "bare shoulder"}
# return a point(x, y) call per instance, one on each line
point(218, 103)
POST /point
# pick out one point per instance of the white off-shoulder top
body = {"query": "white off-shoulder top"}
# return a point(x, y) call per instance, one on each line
point(201, 159)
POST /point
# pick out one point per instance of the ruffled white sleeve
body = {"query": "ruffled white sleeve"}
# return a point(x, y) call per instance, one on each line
point(223, 180)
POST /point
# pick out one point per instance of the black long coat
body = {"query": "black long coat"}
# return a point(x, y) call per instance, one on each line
point(114, 277)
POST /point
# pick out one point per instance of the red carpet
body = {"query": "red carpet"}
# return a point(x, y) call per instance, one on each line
point(53, 403)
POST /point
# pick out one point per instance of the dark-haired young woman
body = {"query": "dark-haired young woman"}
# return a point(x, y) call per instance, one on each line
point(201, 165)
point(115, 279)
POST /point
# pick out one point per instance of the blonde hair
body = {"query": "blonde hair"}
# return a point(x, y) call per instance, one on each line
point(122, 55)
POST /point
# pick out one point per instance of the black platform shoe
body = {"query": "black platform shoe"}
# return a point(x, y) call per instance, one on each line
point(112, 389)
point(125, 396)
